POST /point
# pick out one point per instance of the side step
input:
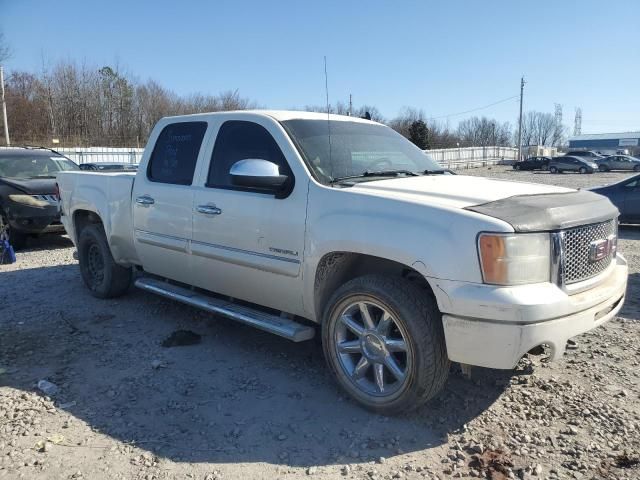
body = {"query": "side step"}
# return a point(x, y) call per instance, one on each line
point(283, 327)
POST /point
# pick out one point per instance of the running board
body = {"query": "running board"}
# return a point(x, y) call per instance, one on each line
point(280, 326)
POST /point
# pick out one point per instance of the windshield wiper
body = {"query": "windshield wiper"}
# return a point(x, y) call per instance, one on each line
point(436, 172)
point(377, 173)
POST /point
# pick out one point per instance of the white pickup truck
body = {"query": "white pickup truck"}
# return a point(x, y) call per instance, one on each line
point(290, 220)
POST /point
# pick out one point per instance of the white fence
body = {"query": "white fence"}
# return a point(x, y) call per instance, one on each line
point(452, 158)
point(102, 154)
point(472, 157)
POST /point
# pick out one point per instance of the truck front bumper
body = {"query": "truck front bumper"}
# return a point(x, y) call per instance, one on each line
point(492, 326)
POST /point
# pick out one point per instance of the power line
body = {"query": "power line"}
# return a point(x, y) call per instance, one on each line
point(475, 109)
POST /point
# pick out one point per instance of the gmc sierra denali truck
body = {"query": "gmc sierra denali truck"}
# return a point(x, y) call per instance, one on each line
point(288, 221)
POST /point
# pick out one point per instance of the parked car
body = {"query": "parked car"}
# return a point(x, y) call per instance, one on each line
point(533, 163)
point(403, 268)
point(618, 162)
point(572, 164)
point(28, 199)
point(109, 167)
point(626, 196)
point(590, 154)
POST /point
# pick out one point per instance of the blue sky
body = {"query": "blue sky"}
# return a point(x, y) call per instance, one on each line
point(443, 57)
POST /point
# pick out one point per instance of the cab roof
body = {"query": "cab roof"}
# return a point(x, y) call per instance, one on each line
point(280, 115)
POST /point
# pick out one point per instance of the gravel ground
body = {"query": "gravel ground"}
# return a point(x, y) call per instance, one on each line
point(243, 404)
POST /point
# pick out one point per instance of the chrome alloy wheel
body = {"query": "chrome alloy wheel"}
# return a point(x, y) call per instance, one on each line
point(372, 349)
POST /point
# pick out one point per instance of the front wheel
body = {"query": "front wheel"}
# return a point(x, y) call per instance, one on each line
point(101, 274)
point(582, 170)
point(553, 169)
point(636, 168)
point(383, 340)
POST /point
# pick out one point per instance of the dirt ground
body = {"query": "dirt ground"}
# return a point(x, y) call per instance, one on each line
point(246, 405)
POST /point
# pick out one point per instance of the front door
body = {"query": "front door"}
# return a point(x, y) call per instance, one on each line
point(163, 201)
point(632, 201)
point(248, 244)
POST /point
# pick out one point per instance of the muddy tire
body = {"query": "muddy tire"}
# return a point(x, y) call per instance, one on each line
point(101, 274)
point(383, 340)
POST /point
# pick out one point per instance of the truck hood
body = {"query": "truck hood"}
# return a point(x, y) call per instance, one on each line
point(457, 191)
point(32, 186)
point(527, 207)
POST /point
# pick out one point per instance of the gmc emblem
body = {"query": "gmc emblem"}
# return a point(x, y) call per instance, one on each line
point(600, 249)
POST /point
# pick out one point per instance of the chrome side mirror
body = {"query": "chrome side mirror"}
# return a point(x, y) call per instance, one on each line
point(257, 173)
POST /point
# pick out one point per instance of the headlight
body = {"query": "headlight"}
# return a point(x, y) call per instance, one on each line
point(29, 200)
point(515, 259)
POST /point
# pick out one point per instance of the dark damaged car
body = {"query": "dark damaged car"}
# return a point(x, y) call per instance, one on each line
point(28, 197)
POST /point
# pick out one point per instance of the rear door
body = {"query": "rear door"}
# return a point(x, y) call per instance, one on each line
point(163, 200)
point(246, 243)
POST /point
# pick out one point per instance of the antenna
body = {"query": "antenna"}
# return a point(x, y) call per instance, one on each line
point(326, 90)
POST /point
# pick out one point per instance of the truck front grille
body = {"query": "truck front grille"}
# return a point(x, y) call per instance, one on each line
point(576, 243)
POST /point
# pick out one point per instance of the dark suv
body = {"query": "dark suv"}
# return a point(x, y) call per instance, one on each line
point(533, 163)
point(28, 197)
point(568, 163)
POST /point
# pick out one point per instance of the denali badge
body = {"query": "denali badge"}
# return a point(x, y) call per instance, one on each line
point(600, 249)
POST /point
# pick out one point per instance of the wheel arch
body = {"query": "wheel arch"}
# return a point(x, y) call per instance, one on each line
point(336, 268)
point(82, 218)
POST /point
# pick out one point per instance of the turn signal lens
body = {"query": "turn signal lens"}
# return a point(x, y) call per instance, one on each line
point(515, 259)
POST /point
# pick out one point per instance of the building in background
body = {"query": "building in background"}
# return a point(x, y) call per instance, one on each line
point(607, 143)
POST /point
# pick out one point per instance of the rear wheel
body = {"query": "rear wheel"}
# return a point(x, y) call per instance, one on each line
point(101, 274)
point(553, 169)
point(383, 340)
point(516, 167)
point(603, 168)
point(636, 168)
point(17, 240)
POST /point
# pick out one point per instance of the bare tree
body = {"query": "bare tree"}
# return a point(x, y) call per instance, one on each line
point(5, 50)
point(483, 132)
point(541, 129)
point(82, 104)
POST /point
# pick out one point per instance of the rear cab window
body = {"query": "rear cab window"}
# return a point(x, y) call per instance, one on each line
point(175, 153)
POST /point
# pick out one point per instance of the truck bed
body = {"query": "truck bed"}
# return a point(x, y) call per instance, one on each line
point(108, 195)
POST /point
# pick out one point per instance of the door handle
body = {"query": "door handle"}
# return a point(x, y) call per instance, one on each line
point(145, 200)
point(208, 209)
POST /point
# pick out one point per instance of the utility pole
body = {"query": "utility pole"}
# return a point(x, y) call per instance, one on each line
point(350, 106)
point(520, 121)
point(4, 109)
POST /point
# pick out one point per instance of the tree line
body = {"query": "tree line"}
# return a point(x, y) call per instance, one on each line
point(82, 105)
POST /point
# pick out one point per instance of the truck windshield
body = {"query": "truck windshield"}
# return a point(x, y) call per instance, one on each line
point(36, 166)
point(357, 149)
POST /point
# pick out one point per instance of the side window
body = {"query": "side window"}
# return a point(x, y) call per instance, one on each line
point(175, 153)
point(239, 140)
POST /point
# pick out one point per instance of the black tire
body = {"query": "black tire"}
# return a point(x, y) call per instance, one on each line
point(101, 274)
point(603, 168)
point(17, 240)
point(416, 320)
point(582, 170)
point(636, 168)
point(553, 169)
point(516, 167)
